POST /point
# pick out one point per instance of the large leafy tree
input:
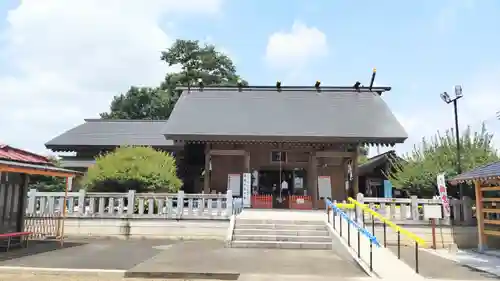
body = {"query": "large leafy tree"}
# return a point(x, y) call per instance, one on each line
point(140, 103)
point(48, 183)
point(418, 172)
point(142, 169)
point(195, 61)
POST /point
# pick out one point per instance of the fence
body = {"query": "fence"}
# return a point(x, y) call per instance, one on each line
point(133, 205)
point(362, 211)
point(411, 209)
point(340, 220)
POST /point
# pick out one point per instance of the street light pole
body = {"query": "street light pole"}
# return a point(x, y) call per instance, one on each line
point(457, 136)
point(446, 98)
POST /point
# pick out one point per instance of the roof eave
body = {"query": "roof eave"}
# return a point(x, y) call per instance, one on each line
point(263, 138)
point(74, 148)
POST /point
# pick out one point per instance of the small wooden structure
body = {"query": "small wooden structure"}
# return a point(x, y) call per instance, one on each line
point(486, 181)
point(16, 165)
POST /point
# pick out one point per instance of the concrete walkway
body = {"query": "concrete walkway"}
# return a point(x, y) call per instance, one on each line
point(438, 267)
point(182, 259)
point(483, 263)
point(199, 257)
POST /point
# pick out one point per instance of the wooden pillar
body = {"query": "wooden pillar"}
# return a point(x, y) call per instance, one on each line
point(313, 174)
point(247, 162)
point(355, 180)
point(206, 177)
point(480, 216)
point(23, 201)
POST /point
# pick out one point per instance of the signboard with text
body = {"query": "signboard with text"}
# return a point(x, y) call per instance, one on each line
point(234, 184)
point(443, 195)
point(247, 189)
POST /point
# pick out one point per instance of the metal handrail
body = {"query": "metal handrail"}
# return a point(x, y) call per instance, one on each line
point(361, 229)
point(394, 226)
point(397, 228)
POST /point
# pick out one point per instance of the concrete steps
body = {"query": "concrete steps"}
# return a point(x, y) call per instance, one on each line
point(281, 234)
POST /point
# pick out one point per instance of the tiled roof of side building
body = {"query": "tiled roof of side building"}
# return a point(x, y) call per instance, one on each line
point(485, 172)
point(10, 153)
point(292, 114)
point(112, 132)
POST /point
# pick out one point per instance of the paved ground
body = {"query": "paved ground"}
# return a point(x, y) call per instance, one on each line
point(184, 259)
point(47, 277)
point(211, 256)
point(435, 267)
point(90, 254)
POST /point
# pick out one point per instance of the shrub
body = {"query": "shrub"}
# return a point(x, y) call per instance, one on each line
point(133, 168)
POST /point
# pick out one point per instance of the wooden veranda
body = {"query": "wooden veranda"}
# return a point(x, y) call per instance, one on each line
point(486, 180)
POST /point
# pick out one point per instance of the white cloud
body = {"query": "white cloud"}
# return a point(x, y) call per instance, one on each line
point(294, 48)
point(69, 58)
point(477, 106)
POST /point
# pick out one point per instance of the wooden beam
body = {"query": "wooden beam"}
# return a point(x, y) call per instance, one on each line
point(333, 154)
point(491, 199)
point(479, 216)
point(495, 222)
point(32, 171)
point(494, 211)
point(492, 232)
point(228, 152)
point(490, 188)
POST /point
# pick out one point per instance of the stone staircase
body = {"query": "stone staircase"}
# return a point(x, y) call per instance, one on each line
point(281, 234)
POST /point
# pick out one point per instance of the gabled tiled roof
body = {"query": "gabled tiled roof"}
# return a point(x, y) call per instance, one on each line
point(112, 133)
point(290, 115)
point(376, 161)
point(485, 172)
point(10, 153)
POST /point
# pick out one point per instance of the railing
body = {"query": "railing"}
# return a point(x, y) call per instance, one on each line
point(343, 216)
point(362, 211)
point(411, 209)
point(134, 205)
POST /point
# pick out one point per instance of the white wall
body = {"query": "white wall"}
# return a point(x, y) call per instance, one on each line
point(146, 228)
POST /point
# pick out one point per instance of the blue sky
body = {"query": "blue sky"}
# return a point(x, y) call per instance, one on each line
point(420, 48)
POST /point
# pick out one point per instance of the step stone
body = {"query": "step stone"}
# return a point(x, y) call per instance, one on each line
point(283, 238)
point(279, 226)
point(287, 222)
point(280, 232)
point(282, 245)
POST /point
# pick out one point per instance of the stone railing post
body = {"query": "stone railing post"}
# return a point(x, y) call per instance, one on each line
point(467, 209)
point(180, 203)
point(358, 210)
point(32, 201)
point(81, 202)
point(413, 208)
point(131, 202)
point(229, 203)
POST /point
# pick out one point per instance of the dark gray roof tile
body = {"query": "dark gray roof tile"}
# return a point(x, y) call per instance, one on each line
point(488, 171)
point(287, 114)
point(109, 132)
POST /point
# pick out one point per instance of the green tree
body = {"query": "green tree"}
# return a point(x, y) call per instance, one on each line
point(48, 183)
point(418, 172)
point(140, 103)
point(195, 61)
point(363, 155)
point(142, 169)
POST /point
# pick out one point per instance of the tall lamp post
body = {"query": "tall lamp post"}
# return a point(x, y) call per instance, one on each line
point(446, 98)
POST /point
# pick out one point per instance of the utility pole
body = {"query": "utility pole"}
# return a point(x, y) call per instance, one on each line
point(446, 98)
